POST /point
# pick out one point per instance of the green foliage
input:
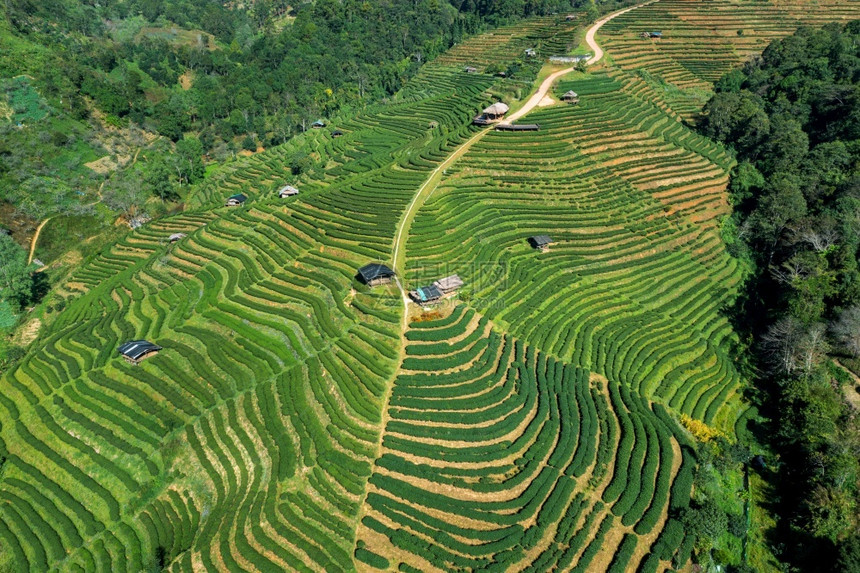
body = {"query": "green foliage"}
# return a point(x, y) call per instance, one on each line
point(16, 276)
point(707, 522)
point(790, 118)
point(25, 102)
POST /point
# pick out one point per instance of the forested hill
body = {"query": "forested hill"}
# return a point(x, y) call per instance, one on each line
point(112, 109)
point(793, 118)
point(261, 72)
point(82, 81)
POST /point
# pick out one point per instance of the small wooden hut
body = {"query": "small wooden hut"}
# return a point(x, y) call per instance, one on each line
point(236, 200)
point(449, 284)
point(136, 350)
point(287, 191)
point(492, 114)
point(541, 242)
point(570, 97)
point(426, 294)
point(373, 274)
point(518, 127)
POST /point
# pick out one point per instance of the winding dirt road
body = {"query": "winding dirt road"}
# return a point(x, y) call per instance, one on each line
point(435, 176)
point(597, 52)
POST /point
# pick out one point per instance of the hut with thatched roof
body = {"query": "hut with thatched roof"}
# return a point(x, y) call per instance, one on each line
point(492, 114)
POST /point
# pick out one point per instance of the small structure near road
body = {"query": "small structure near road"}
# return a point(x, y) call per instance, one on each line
point(541, 242)
point(425, 294)
point(176, 237)
point(518, 127)
point(374, 274)
point(449, 284)
point(570, 18)
point(287, 191)
point(570, 97)
point(236, 200)
point(492, 114)
point(136, 350)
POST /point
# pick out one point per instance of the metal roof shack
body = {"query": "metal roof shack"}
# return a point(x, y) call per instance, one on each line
point(518, 127)
point(373, 274)
point(176, 237)
point(426, 294)
point(287, 191)
point(449, 284)
point(470, 70)
point(318, 124)
point(541, 242)
point(531, 53)
point(136, 350)
point(570, 97)
point(236, 200)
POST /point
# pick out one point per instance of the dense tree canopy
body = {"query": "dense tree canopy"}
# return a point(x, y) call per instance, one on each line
point(16, 281)
point(793, 118)
point(265, 71)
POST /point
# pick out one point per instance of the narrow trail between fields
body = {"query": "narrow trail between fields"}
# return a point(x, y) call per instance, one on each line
point(41, 226)
point(436, 175)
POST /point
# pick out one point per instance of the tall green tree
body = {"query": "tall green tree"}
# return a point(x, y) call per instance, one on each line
point(16, 276)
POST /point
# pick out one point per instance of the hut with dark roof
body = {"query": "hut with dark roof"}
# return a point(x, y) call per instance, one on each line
point(136, 350)
point(518, 127)
point(336, 133)
point(541, 242)
point(373, 274)
point(236, 200)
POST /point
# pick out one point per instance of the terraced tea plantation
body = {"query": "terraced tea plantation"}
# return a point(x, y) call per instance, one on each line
point(499, 457)
point(296, 419)
point(701, 41)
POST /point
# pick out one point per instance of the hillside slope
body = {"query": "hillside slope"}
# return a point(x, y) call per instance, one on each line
point(288, 423)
